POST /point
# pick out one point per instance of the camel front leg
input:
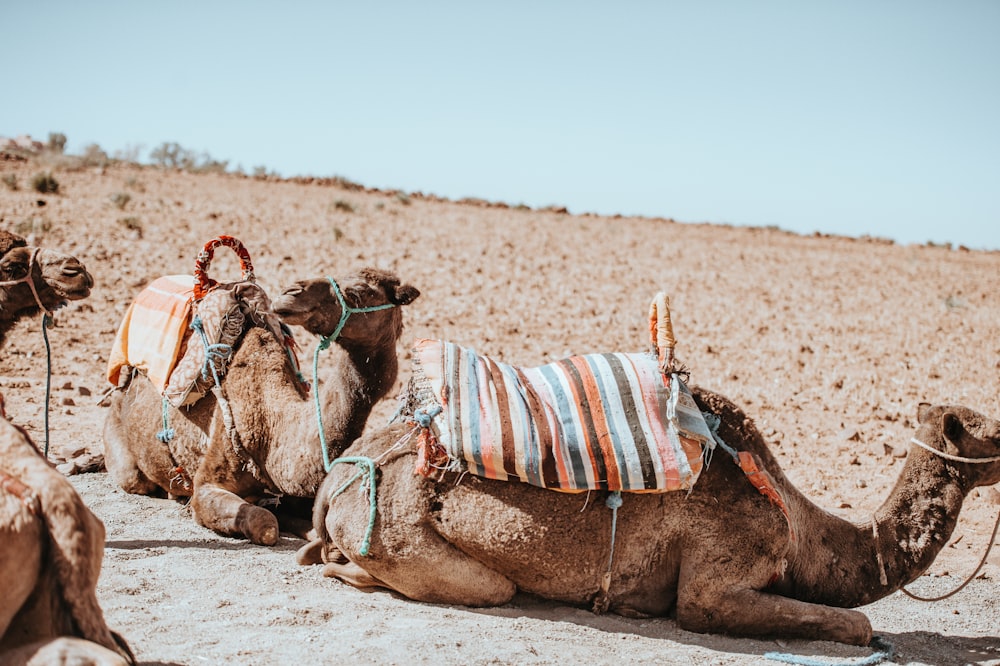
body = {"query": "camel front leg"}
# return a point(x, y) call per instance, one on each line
point(227, 513)
point(705, 607)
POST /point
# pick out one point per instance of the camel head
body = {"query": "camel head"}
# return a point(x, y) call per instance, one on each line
point(361, 308)
point(962, 436)
point(56, 277)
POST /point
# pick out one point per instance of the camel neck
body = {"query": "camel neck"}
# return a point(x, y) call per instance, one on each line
point(839, 563)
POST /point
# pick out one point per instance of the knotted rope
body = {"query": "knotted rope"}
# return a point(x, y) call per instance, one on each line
point(369, 469)
point(324, 343)
point(166, 433)
point(602, 601)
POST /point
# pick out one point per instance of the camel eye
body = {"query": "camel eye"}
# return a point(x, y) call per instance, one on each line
point(14, 271)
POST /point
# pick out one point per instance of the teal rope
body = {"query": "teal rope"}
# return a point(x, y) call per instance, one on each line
point(324, 343)
point(47, 323)
point(212, 352)
point(613, 502)
point(884, 647)
point(167, 433)
point(369, 469)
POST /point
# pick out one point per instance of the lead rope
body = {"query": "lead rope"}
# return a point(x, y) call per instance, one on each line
point(48, 321)
point(369, 469)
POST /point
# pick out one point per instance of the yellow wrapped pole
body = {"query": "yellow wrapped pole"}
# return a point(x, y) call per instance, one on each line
point(661, 331)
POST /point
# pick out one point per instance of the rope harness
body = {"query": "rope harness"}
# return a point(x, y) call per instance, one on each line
point(324, 343)
point(47, 322)
point(989, 546)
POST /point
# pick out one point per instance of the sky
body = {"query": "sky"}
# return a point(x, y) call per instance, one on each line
point(843, 117)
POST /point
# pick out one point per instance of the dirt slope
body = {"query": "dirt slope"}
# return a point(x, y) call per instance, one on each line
point(829, 343)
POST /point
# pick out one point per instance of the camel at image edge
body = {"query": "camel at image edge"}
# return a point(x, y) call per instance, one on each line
point(724, 558)
point(52, 544)
point(279, 452)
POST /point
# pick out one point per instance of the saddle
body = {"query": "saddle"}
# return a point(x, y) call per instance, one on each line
point(617, 422)
point(181, 329)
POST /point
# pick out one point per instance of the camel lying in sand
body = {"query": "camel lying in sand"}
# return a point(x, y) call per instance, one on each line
point(724, 557)
point(33, 278)
point(279, 450)
point(51, 548)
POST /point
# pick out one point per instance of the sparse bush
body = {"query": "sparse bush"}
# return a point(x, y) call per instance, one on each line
point(10, 180)
point(130, 153)
point(57, 142)
point(403, 198)
point(134, 183)
point(131, 223)
point(94, 156)
point(121, 199)
point(337, 234)
point(45, 183)
point(345, 206)
point(172, 155)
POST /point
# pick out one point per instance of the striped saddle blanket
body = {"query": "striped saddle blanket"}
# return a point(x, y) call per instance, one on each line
point(157, 335)
point(594, 422)
point(153, 330)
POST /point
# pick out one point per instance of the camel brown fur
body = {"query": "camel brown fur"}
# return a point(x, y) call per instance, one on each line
point(723, 559)
point(278, 452)
point(57, 278)
point(51, 548)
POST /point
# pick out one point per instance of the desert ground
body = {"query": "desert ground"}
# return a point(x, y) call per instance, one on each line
point(829, 343)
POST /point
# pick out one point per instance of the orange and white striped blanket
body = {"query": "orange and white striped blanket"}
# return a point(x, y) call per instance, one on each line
point(600, 421)
point(153, 329)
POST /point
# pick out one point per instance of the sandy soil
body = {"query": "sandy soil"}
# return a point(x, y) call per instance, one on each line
point(830, 343)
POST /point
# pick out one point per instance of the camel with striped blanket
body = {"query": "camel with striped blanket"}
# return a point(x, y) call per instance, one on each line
point(33, 278)
point(263, 447)
point(723, 557)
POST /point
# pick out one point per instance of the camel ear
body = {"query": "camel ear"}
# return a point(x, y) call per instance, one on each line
point(952, 427)
point(923, 412)
point(405, 294)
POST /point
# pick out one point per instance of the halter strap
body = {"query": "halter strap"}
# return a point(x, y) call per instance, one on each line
point(948, 456)
point(31, 282)
point(345, 312)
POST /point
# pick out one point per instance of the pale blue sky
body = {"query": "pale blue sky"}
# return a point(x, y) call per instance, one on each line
point(846, 117)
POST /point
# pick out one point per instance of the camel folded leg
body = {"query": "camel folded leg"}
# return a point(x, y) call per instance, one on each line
point(748, 612)
point(427, 568)
point(229, 514)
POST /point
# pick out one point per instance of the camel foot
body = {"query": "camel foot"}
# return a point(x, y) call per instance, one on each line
point(311, 553)
point(352, 574)
point(258, 525)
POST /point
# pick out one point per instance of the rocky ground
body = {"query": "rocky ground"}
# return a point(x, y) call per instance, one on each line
point(829, 343)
